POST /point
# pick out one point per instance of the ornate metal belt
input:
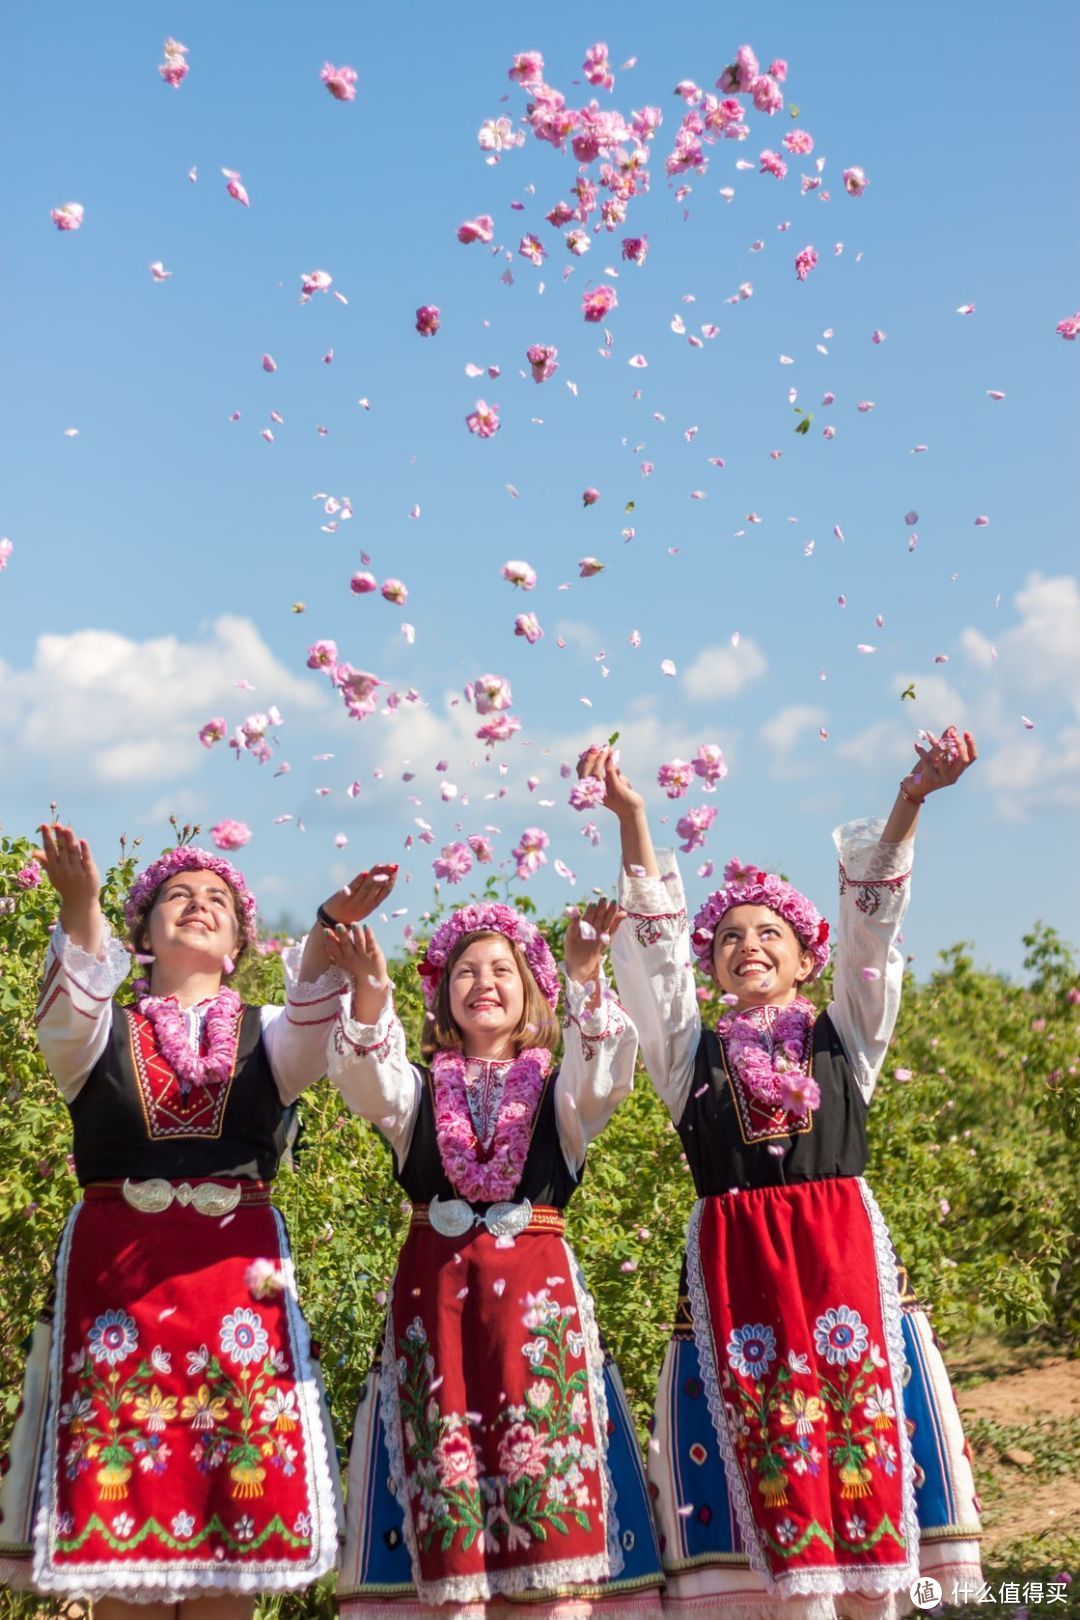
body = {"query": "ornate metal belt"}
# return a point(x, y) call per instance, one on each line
point(207, 1197)
point(453, 1217)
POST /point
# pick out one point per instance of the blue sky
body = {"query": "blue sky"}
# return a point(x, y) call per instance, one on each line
point(158, 554)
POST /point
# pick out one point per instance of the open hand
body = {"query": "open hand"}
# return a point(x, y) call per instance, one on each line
point(942, 763)
point(71, 867)
point(588, 937)
point(362, 896)
point(619, 796)
point(357, 952)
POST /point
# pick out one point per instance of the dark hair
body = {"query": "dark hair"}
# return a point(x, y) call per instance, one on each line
point(138, 938)
point(537, 1026)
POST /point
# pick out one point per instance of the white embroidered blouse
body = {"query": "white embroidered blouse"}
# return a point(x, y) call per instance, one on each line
point(653, 961)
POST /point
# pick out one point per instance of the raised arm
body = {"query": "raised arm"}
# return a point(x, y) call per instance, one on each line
point(600, 1045)
point(875, 871)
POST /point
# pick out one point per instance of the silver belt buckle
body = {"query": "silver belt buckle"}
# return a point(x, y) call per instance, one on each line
point(451, 1217)
point(508, 1220)
point(154, 1196)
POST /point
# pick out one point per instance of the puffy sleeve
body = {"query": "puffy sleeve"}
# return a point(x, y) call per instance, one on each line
point(654, 969)
point(74, 1011)
point(597, 1072)
point(298, 1035)
point(868, 971)
point(370, 1068)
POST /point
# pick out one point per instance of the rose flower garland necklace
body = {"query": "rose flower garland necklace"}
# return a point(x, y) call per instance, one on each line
point(769, 1061)
point(491, 1175)
point(170, 1032)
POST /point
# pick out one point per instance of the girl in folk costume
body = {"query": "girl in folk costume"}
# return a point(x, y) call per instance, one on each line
point(494, 1467)
point(173, 1444)
point(807, 1458)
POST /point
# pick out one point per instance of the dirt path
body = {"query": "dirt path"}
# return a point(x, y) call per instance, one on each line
point(1024, 1427)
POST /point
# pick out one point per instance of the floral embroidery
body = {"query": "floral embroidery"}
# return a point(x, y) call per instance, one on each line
point(870, 892)
point(752, 1350)
point(543, 1460)
point(650, 930)
point(243, 1337)
point(840, 1336)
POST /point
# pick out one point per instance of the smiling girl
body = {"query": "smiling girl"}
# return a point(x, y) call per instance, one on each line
point(172, 1445)
point(807, 1459)
point(493, 1458)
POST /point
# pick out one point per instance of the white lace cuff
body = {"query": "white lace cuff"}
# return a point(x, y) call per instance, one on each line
point(306, 992)
point(596, 1022)
point(99, 977)
point(654, 896)
point(865, 859)
point(365, 1039)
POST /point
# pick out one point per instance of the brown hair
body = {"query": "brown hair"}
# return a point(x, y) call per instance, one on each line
point(537, 1026)
point(138, 938)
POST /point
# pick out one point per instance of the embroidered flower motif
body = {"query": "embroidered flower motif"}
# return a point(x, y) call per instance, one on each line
point(183, 1524)
point(456, 1460)
point(302, 1526)
point(800, 1411)
point(244, 1528)
point(538, 1395)
point(243, 1337)
point(197, 1360)
point(280, 1409)
point(112, 1337)
point(154, 1409)
point(786, 1531)
point(522, 1453)
point(752, 1349)
point(74, 1413)
point(840, 1336)
point(534, 1351)
point(416, 1332)
point(880, 1407)
point(856, 1527)
point(123, 1525)
point(161, 1360)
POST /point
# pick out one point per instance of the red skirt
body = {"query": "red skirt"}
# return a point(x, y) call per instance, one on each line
point(495, 1414)
point(797, 1321)
point(185, 1444)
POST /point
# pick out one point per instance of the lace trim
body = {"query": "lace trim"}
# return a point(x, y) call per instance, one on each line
point(567, 1571)
point(96, 977)
point(302, 991)
point(138, 1584)
point(812, 1582)
point(365, 1039)
point(859, 846)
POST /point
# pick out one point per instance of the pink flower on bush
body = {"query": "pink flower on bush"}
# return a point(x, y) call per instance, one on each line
point(805, 262)
point(454, 863)
point(528, 852)
point(174, 69)
point(855, 182)
point(523, 1454)
point(519, 573)
point(68, 217)
point(396, 591)
point(740, 74)
point(596, 304)
point(587, 793)
point(322, 655)
point(799, 142)
point(635, 249)
point(528, 625)
point(676, 777)
point(500, 728)
point(693, 826)
point(710, 766)
point(361, 584)
point(481, 848)
point(341, 82)
point(1069, 328)
point(213, 731)
point(231, 834)
point(528, 69)
point(484, 420)
point(542, 359)
point(492, 694)
point(480, 229)
point(427, 320)
point(456, 1461)
point(29, 876)
point(773, 163)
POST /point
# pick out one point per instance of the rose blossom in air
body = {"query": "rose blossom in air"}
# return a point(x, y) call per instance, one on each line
point(635, 249)
point(484, 420)
point(528, 625)
point(498, 135)
point(213, 731)
point(1069, 328)
point(235, 188)
point(590, 496)
point(480, 229)
point(530, 247)
point(799, 142)
point(596, 304)
point(500, 728)
point(587, 794)
point(481, 848)
point(394, 590)
point(491, 694)
point(341, 82)
point(676, 777)
point(174, 69)
point(68, 217)
point(231, 834)
point(427, 320)
point(740, 74)
point(362, 583)
point(528, 69)
point(597, 68)
point(578, 241)
point(767, 95)
point(773, 163)
point(855, 182)
point(805, 262)
point(529, 851)
point(519, 573)
point(542, 359)
point(588, 566)
point(322, 655)
point(454, 863)
point(710, 766)
point(313, 281)
point(694, 825)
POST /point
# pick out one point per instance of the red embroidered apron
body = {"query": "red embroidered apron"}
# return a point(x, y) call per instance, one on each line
point(186, 1445)
point(495, 1413)
point(800, 1349)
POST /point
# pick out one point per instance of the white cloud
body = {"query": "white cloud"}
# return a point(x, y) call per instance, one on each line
point(1042, 652)
point(721, 672)
point(98, 709)
point(782, 735)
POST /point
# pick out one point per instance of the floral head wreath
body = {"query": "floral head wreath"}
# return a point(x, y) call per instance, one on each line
point(187, 858)
point(748, 886)
point(488, 919)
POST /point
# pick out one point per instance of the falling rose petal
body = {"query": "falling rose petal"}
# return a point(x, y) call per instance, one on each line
point(994, 393)
point(68, 217)
point(1029, 725)
point(667, 667)
point(871, 973)
point(267, 434)
point(865, 405)
point(965, 309)
point(71, 433)
point(838, 531)
point(589, 497)
point(902, 1074)
point(982, 522)
point(159, 272)
point(269, 363)
point(638, 360)
point(863, 647)
point(234, 187)
point(823, 734)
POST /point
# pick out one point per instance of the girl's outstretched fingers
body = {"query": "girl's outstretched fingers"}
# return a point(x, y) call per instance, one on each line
point(365, 894)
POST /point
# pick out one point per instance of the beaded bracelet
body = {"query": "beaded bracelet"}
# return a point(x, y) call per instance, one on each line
point(904, 794)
